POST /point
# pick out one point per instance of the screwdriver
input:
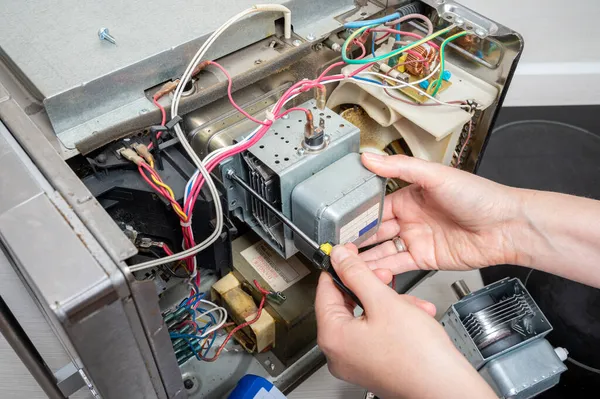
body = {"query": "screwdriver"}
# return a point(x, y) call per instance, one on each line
point(322, 255)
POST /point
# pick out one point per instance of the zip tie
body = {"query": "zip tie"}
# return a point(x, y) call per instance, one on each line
point(269, 115)
point(186, 224)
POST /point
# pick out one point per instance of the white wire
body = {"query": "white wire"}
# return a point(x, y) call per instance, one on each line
point(420, 91)
point(192, 154)
point(223, 317)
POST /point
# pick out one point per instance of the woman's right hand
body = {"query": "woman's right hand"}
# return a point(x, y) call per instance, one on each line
point(447, 218)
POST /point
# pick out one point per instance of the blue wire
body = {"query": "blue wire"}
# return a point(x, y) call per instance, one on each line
point(379, 21)
point(398, 34)
point(212, 341)
point(373, 45)
point(367, 80)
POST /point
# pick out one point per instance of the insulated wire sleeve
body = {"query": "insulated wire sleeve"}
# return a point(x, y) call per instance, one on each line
point(390, 54)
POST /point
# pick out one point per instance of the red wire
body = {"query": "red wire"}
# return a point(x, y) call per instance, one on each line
point(382, 37)
point(163, 121)
point(163, 112)
point(236, 329)
point(261, 289)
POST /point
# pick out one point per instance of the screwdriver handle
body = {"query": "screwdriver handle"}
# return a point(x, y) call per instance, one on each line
point(322, 260)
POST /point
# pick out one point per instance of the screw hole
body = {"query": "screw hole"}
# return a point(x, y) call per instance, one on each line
point(276, 133)
point(321, 114)
point(262, 146)
point(287, 127)
point(342, 125)
point(443, 324)
point(283, 138)
point(314, 107)
point(276, 155)
point(300, 120)
point(363, 14)
point(233, 203)
point(276, 162)
point(230, 187)
point(286, 159)
point(469, 27)
point(295, 148)
point(328, 116)
point(287, 141)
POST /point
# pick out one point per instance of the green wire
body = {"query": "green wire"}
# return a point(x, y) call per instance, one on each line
point(390, 54)
point(438, 83)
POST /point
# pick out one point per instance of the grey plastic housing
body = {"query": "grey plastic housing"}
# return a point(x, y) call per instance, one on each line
point(339, 204)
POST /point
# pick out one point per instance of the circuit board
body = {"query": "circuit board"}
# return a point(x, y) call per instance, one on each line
point(416, 95)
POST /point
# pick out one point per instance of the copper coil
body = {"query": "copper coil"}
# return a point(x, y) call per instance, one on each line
point(415, 66)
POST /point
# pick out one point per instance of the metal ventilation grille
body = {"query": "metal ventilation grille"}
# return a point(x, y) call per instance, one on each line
point(500, 320)
point(265, 182)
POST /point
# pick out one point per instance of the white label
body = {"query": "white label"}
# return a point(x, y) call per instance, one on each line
point(278, 273)
point(360, 225)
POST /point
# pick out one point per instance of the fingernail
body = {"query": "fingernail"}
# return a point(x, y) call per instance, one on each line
point(371, 157)
point(339, 253)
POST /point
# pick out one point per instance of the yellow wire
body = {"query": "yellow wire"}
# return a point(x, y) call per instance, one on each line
point(177, 208)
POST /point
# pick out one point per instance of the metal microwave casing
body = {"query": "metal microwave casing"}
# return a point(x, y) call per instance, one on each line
point(339, 204)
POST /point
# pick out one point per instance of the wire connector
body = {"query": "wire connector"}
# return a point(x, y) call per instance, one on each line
point(131, 156)
point(143, 151)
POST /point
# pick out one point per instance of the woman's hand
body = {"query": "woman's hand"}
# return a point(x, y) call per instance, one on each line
point(396, 349)
point(448, 219)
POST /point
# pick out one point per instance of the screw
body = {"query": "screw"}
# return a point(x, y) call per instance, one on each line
point(480, 32)
point(459, 21)
point(311, 36)
point(337, 48)
point(318, 46)
point(257, 62)
point(300, 151)
point(267, 363)
point(104, 35)
point(272, 367)
point(286, 116)
point(296, 43)
point(440, 1)
point(143, 111)
point(188, 384)
point(101, 158)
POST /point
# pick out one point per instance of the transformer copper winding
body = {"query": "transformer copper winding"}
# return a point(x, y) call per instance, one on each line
point(415, 66)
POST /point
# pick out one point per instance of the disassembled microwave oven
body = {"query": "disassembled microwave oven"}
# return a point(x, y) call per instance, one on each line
point(170, 190)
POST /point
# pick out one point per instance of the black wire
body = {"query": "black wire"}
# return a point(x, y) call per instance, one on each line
point(167, 269)
point(172, 272)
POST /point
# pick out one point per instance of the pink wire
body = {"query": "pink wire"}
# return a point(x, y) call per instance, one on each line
point(307, 112)
point(409, 34)
point(233, 103)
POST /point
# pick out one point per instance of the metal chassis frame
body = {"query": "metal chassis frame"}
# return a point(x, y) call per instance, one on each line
point(121, 311)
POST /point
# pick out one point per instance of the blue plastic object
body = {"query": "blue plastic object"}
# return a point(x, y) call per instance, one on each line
point(252, 386)
point(446, 75)
point(424, 84)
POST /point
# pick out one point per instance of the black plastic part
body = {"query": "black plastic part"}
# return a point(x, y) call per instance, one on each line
point(316, 140)
point(323, 262)
point(130, 201)
point(171, 124)
point(545, 155)
point(154, 130)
